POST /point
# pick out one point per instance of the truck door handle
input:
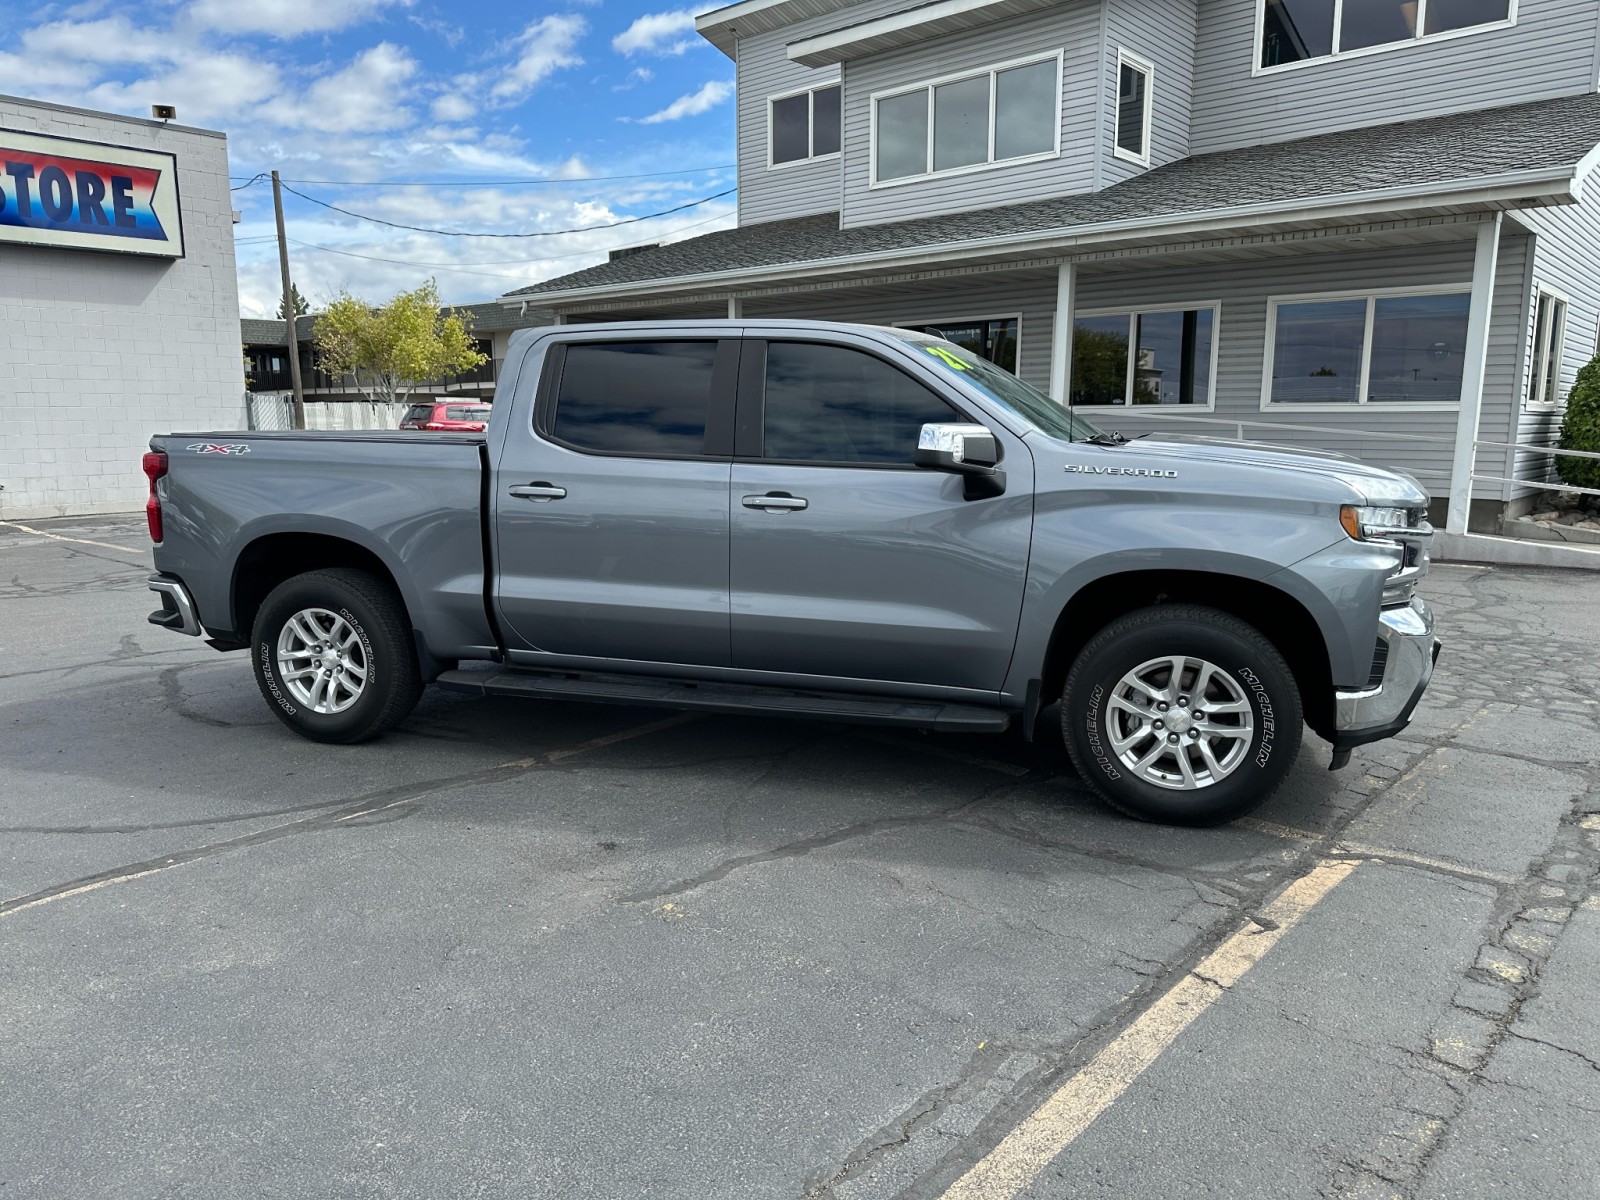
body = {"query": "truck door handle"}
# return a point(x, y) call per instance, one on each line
point(537, 491)
point(774, 502)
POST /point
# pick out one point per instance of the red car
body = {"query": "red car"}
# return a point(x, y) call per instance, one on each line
point(452, 418)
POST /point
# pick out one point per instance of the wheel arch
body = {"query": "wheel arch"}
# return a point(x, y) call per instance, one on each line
point(1280, 617)
point(271, 558)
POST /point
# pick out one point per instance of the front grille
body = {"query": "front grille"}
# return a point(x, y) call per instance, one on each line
point(1380, 661)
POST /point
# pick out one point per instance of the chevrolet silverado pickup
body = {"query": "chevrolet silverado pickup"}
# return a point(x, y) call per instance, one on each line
point(831, 521)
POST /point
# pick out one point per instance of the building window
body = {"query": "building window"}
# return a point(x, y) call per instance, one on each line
point(1382, 348)
point(993, 338)
point(1134, 82)
point(1001, 114)
point(1549, 341)
point(804, 126)
point(1157, 356)
point(1299, 30)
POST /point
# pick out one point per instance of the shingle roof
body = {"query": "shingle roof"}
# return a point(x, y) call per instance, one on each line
point(1439, 151)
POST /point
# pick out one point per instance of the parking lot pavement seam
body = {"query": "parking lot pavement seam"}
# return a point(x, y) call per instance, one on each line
point(804, 846)
point(1074, 1105)
point(365, 806)
point(1106, 1025)
point(1532, 914)
point(56, 537)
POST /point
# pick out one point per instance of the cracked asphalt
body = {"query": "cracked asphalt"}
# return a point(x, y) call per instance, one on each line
point(522, 949)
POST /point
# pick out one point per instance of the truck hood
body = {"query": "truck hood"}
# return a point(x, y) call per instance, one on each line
point(1377, 485)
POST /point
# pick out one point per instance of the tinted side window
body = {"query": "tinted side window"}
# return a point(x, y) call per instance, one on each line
point(635, 397)
point(833, 404)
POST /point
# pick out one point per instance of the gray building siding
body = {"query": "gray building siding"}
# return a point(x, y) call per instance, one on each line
point(1551, 51)
point(1073, 27)
point(763, 71)
point(1164, 35)
point(1566, 259)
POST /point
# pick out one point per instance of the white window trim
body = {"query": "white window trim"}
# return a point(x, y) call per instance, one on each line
point(1126, 58)
point(928, 85)
point(1361, 402)
point(1344, 55)
point(1537, 367)
point(1133, 312)
point(811, 125)
point(915, 322)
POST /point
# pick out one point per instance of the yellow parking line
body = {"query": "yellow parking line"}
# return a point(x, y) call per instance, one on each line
point(1029, 1148)
point(56, 537)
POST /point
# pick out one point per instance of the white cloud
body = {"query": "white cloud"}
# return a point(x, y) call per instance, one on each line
point(658, 33)
point(205, 87)
point(692, 105)
point(284, 18)
point(542, 49)
point(364, 97)
point(452, 107)
point(111, 40)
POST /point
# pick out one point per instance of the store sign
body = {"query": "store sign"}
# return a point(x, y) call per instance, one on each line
point(85, 196)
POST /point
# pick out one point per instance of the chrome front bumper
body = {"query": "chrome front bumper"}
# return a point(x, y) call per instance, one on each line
point(177, 609)
point(1408, 654)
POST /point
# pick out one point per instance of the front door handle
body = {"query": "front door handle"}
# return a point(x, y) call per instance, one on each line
point(537, 491)
point(774, 502)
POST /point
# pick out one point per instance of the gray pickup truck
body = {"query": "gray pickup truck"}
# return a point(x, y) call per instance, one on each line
point(832, 521)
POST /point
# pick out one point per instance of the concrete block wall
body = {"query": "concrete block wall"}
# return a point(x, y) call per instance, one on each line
point(98, 351)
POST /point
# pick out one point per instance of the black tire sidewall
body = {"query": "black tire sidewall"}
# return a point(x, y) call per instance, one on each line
point(316, 591)
point(1258, 670)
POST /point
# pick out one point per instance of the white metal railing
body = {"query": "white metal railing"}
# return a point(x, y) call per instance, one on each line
point(1524, 448)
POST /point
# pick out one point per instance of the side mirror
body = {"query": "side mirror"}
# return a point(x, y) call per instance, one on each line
point(970, 451)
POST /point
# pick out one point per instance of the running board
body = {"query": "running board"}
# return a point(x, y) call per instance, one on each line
point(729, 698)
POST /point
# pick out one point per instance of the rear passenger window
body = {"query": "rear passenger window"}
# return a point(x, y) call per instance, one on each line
point(832, 404)
point(635, 397)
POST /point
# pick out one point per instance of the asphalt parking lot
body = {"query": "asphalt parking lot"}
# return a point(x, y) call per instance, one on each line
point(520, 949)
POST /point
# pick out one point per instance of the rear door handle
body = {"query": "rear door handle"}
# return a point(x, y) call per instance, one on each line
point(774, 502)
point(537, 491)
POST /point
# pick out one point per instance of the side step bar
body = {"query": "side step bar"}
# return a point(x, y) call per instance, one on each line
point(729, 698)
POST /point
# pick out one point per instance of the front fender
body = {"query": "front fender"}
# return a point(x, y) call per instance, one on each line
point(1083, 535)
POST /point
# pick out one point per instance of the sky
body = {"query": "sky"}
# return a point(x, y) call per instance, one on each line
point(513, 119)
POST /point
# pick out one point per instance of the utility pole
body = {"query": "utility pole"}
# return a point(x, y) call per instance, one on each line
point(288, 308)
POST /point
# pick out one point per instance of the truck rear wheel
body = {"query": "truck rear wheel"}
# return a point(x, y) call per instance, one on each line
point(333, 656)
point(1183, 714)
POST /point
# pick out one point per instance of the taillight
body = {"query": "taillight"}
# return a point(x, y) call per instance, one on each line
point(155, 466)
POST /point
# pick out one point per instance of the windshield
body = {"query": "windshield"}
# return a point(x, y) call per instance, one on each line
point(1027, 403)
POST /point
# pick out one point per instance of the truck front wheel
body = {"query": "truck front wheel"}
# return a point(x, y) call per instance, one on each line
point(1183, 714)
point(333, 656)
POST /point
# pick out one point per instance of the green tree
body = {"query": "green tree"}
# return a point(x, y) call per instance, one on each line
point(1580, 429)
point(301, 307)
point(389, 350)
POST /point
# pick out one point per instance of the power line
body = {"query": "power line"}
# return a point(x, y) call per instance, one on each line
point(254, 179)
point(445, 183)
point(465, 270)
point(666, 212)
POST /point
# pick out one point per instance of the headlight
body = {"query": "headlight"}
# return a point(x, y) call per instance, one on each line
point(1374, 524)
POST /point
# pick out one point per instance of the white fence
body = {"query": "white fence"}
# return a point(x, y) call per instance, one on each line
point(275, 410)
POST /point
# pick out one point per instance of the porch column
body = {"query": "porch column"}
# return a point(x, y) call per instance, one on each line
point(1061, 332)
point(558, 318)
point(735, 308)
point(1484, 264)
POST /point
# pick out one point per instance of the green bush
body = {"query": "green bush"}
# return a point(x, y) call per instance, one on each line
point(1580, 429)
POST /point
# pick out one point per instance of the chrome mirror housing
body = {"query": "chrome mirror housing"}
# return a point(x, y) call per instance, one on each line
point(967, 450)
